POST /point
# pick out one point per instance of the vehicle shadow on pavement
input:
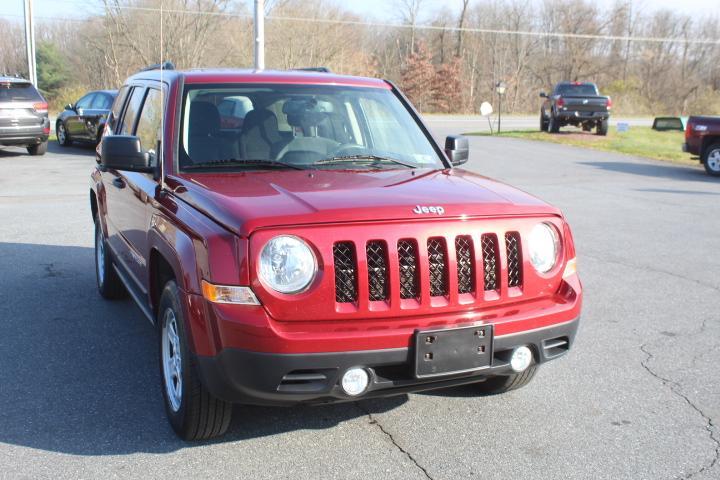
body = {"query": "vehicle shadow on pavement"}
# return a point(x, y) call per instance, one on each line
point(79, 375)
point(658, 170)
point(74, 149)
point(53, 149)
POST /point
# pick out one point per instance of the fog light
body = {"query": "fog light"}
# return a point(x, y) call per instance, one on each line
point(355, 381)
point(521, 359)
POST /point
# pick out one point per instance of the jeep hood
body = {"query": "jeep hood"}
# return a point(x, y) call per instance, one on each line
point(246, 201)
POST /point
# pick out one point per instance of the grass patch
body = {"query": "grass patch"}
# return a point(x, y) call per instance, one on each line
point(638, 141)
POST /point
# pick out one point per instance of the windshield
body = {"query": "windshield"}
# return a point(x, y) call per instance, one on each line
point(258, 127)
point(576, 89)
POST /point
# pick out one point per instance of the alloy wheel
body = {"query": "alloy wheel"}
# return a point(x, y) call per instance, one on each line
point(713, 160)
point(172, 360)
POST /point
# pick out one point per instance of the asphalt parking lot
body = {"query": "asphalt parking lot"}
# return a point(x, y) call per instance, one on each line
point(637, 398)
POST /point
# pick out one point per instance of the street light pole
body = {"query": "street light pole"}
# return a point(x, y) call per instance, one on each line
point(500, 88)
point(30, 41)
point(499, 112)
point(259, 34)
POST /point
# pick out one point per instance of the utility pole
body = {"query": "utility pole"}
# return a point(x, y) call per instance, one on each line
point(259, 34)
point(30, 42)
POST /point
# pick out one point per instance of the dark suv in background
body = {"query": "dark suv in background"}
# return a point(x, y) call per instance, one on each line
point(23, 116)
point(85, 119)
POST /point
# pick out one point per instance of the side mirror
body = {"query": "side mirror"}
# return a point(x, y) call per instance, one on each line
point(543, 95)
point(457, 149)
point(70, 107)
point(124, 152)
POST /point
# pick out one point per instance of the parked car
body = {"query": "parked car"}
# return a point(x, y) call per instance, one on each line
point(23, 116)
point(332, 251)
point(575, 103)
point(84, 120)
point(702, 138)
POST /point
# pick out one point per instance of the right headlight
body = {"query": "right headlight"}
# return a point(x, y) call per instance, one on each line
point(544, 246)
point(287, 264)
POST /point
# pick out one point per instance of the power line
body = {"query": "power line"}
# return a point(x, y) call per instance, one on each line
point(528, 33)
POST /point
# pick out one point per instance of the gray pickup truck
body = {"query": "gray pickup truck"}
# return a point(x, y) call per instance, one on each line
point(575, 103)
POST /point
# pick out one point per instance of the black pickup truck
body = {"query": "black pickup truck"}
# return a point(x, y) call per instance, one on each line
point(575, 103)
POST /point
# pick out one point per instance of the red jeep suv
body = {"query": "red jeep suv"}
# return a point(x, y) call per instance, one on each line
point(322, 248)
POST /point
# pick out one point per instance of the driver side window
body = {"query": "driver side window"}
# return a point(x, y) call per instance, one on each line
point(85, 101)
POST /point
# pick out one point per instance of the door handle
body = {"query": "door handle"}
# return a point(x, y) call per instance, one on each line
point(118, 182)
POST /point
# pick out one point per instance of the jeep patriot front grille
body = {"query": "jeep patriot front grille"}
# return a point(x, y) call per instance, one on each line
point(430, 268)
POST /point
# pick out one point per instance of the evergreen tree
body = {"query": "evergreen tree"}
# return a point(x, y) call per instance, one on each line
point(52, 71)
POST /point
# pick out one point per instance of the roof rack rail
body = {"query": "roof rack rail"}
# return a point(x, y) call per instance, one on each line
point(313, 69)
point(166, 65)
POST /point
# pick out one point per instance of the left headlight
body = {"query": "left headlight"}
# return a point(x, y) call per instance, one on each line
point(287, 264)
point(544, 246)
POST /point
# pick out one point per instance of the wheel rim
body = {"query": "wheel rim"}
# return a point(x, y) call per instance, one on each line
point(172, 360)
point(61, 133)
point(713, 160)
point(100, 255)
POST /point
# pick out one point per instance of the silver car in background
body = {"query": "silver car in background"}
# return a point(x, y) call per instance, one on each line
point(23, 116)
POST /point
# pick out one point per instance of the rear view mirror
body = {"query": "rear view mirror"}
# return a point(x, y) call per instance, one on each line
point(69, 106)
point(124, 152)
point(543, 95)
point(457, 149)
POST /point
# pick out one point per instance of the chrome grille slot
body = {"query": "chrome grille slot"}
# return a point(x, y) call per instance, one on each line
point(465, 264)
point(490, 262)
point(514, 259)
point(345, 272)
point(377, 270)
point(408, 263)
point(437, 259)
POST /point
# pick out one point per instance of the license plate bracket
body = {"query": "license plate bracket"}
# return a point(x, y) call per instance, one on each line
point(452, 350)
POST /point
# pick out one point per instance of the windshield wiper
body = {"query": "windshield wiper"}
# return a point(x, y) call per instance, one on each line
point(375, 159)
point(242, 163)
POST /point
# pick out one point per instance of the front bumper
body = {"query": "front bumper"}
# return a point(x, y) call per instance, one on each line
point(285, 379)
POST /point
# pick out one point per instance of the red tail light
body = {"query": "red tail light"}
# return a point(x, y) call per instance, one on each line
point(40, 107)
point(688, 129)
point(560, 103)
point(46, 130)
point(608, 103)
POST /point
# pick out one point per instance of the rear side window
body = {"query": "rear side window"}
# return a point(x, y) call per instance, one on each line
point(22, 92)
point(148, 127)
point(131, 111)
point(117, 108)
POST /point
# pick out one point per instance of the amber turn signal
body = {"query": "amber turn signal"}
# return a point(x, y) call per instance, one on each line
point(228, 294)
point(570, 268)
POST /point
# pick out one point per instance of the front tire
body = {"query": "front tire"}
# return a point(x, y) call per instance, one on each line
point(711, 160)
point(38, 149)
point(109, 284)
point(553, 125)
point(543, 123)
point(602, 127)
point(505, 383)
point(193, 412)
point(63, 137)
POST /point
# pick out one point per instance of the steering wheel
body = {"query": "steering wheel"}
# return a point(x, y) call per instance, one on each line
point(300, 157)
point(345, 149)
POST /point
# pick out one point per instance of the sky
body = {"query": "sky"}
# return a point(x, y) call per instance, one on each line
point(372, 9)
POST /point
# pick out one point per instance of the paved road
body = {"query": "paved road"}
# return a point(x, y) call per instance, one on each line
point(443, 125)
point(638, 398)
